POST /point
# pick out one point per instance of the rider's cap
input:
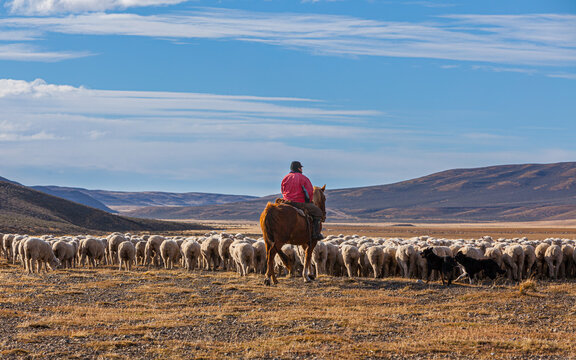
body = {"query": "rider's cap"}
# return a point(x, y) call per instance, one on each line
point(295, 166)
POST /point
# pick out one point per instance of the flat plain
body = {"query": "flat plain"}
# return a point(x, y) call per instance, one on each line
point(105, 313)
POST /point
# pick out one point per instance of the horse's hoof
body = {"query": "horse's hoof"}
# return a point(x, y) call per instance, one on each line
point(267, 282)
point(312, 277)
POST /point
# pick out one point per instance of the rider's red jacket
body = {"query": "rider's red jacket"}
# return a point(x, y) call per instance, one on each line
point(293, 186)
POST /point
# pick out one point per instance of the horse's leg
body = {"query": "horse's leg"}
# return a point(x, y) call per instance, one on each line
point(270, 276)
point(308, 263)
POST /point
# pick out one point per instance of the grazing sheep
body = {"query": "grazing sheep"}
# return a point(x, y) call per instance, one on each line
point(294, 262)
point(333, 267)
point(152, 250)
point(540, 254)
point(224, 252)
point(18, 250)
point(38, 252)
point(93, 249)
point(494, 253)
point(351, 257)
point(513, 258)
point(553, 258)
point(472, 252)
point(375, 255)
point(65, 252)
point(209, 250)
point(170, 252)
point(114, 241)
point(243, 255)
point(406, 257)
point(7, 247)
point(140, 252)
point(191, 254)
point(319, 258)
point(259, 256)
point(126, 255)
point(529, 260)
point(567, 266)
point(389, 265)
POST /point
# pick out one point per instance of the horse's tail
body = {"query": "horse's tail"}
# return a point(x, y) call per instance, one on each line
point(268, 223)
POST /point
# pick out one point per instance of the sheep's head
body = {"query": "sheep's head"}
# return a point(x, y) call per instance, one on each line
point(55, 263)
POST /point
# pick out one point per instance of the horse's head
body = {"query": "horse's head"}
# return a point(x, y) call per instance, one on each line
point(319, 199)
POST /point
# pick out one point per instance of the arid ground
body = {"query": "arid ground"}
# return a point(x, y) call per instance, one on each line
point(146, 313)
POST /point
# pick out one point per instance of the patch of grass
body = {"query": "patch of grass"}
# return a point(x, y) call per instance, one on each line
point(527, 286)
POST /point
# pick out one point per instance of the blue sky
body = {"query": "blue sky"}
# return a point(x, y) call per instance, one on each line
point(220, 96)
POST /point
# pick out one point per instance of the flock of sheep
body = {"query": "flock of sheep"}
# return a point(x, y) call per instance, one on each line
point(352, 256)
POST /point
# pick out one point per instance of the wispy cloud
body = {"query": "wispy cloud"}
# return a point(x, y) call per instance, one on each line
point(534, 40)
point(25, 52)
point(45, 7)
point(568, 76)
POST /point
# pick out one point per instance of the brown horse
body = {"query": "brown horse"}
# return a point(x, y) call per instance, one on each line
point(284, 224)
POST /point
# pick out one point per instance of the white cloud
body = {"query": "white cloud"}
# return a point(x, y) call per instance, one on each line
point(45, 7)
point(506, 39)
point(25, 52)
point(36, 88)
point(41, 136)
point(568, 76)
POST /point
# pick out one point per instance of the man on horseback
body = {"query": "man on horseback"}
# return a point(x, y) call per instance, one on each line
point(297, 189)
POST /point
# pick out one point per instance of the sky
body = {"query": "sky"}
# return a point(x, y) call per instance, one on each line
point(220, 96)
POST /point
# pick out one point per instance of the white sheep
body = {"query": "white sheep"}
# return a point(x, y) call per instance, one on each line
point(351, 257)
point(259, 256)
point(375, 255)
point(209, 250)
point(65, 252)
point(152, 250)
point(567, 266)
point(389, 264)
point(553, 258)
point(529, 260)
point(513, 258)
point(140, 247)
point(93, 249)
point(406, 257)
point(294, 262)
point(319, 258)
point(170, 252)
point(224, 252)
point(126, 255)
point(540, 261)
point(114, 240)
point(191, 254)
point(243, 254)
point(38, 252)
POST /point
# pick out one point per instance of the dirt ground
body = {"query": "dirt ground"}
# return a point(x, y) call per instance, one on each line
point(150, 313)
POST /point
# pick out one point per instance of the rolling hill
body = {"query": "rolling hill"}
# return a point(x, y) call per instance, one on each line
point(526, 192)
point(114, 201)
point(24, 210)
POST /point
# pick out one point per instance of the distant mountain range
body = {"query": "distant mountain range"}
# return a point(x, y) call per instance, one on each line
point(25, 210)
point(527, 192)
point(118, 201)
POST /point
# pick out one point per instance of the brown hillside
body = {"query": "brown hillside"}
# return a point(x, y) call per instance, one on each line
point(526, 192)
point(23, 210)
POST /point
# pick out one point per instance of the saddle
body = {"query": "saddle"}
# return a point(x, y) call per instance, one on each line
point(302, 212)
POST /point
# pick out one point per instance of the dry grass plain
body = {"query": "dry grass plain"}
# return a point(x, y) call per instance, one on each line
point(159, 314)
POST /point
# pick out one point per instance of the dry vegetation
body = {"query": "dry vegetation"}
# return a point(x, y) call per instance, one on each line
point(158, 314)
